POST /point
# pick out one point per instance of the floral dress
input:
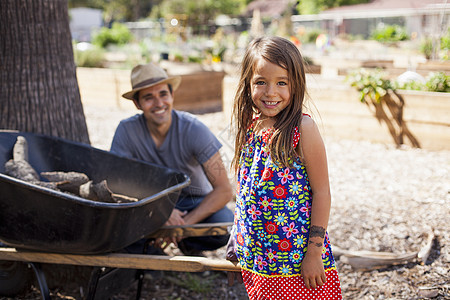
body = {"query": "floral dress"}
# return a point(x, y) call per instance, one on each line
point(272, 220)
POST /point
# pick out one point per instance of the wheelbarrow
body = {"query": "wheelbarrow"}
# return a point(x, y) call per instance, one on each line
point(41, 225)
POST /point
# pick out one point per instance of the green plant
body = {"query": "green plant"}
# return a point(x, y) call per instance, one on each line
point(178, 57)
point(90, 58)
point(118, 34)
point(370, 84)
point(445, 46)
point(387, 105)
point(216, 52)
point(426, 47)
point(445, 41)
point(145, 51)
point(390, 33)
point(438, 82)
point(410, 85)
point(195, 59)
point(435, 82)
point(308, 60)
point(310, 36)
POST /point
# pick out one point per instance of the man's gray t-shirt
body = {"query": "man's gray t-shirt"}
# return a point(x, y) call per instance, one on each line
point(188, 144)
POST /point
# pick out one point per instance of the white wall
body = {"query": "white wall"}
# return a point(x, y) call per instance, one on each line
point(84, 21)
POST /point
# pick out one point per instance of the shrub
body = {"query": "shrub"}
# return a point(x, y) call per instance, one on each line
point(410, 85)
point(390, 33)
point(370, 84)
point(308, 60)
point(438, 82)
point(90, 58)
point(445, 45)
point(310, 36)
point(118, 34)
point(426, 47)
point(195, 59)
point(445, 41)
point(435, 82)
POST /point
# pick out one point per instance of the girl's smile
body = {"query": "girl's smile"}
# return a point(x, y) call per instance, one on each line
point(270, 104)
point(270, 88)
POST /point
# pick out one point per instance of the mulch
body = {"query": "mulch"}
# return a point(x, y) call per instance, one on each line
point(385, 199)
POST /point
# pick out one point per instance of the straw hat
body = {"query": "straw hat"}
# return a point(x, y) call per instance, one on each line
point(144, 76)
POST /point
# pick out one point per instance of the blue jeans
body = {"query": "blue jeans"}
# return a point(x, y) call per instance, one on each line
point(212, 242)
point(188, 203)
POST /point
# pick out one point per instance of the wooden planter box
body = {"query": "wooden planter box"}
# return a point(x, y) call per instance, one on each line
point(200, 92)
point(342, 115)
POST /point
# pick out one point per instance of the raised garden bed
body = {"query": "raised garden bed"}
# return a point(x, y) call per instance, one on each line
point(339, 114)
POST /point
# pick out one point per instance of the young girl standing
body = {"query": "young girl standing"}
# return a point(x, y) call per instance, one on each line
point(283, 195)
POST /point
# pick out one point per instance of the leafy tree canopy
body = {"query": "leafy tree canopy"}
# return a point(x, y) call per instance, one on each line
point(306, 7)
point(198, 12)
point(133, 10)
point(119, 10)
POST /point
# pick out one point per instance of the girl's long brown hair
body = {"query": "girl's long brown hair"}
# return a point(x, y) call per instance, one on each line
point(285, 54)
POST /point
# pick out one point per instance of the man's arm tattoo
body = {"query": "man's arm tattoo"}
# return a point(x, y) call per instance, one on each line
point(317, 231)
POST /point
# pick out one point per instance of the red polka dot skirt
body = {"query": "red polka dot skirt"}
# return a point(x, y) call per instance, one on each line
point(290, 287)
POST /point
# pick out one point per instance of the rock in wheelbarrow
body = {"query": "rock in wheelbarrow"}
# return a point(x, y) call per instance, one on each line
point(21, 169)
point(101, 192)
point(67, 181)
point(20, 149)
point(18, 166)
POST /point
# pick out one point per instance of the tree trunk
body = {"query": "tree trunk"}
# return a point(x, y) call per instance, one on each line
point(39, 89)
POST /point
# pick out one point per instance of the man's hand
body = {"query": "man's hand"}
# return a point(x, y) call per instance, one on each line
point(176, 218)
point(163, 243)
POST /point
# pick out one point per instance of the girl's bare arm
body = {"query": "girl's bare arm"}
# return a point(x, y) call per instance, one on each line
point(314, 157)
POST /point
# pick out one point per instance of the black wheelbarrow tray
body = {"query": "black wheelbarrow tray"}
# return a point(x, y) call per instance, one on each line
point(40, 219)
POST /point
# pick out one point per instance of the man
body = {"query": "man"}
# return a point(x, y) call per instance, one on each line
point(177, 140)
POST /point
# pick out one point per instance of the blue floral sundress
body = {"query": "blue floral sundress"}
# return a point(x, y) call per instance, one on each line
point(272, 220)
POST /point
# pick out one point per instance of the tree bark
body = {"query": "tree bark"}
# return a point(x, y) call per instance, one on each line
point(39, 90)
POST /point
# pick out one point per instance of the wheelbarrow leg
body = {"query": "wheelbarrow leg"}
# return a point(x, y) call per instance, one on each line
point(106, 282)
point(40, 276)
point(140, 273)
point(93, 281)
point(139, 287)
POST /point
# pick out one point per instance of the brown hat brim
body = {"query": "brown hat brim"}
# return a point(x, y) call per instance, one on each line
point(173, 81)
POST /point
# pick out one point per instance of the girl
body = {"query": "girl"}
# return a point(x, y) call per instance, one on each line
point(283, 195)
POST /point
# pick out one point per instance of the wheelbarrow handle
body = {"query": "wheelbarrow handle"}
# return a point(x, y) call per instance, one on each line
point(122, 260)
